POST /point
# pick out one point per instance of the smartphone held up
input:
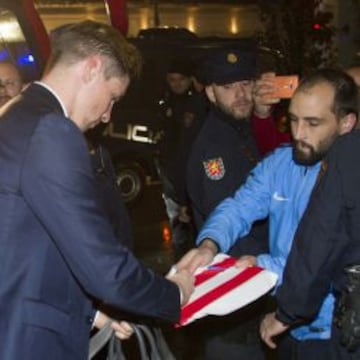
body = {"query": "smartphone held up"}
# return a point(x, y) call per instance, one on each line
point(285, 86)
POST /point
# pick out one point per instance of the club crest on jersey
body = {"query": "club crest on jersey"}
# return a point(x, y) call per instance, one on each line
point(214, 168)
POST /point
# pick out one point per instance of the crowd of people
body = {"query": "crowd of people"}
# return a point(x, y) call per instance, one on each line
point(236, 179)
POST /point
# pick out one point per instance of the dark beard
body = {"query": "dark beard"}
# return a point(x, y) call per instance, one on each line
point(314, 156)
point(308, 159)
point(229, 112)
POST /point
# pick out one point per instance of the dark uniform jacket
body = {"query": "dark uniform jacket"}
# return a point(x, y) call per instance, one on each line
point(221, 157)
point(182, 117)
point(58, 250)
point(172, 111)
point(328, 237)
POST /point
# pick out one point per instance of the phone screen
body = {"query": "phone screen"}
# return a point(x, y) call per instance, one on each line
point(285, 86)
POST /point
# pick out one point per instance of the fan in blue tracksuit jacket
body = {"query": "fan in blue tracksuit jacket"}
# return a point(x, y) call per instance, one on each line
point(279, 188)
point(323, 108)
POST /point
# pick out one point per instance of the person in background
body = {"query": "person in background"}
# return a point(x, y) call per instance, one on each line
point(172, 107)
point(10, 81)
point(182, 110)
point(323, 108)
point(269, 123)
point(354, 72)
point(60, 254)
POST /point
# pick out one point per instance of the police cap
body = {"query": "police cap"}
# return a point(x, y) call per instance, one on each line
point(227, 66)
point(180, 66)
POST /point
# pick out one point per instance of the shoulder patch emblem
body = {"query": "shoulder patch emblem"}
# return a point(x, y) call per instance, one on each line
point(214, 168)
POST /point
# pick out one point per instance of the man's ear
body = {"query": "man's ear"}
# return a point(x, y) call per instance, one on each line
point(209, 90)
point(92, 67)
point(347, 123)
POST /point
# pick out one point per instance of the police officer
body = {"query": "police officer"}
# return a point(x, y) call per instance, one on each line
point(182, 110)
point(225, 149)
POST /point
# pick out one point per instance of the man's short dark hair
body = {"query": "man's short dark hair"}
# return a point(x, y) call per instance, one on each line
point(345, 90)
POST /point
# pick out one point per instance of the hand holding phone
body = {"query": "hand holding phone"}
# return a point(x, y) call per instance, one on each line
point(284, 86)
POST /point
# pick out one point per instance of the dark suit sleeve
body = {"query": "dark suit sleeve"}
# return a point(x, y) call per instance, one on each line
point(322, 237)
point(58, 185)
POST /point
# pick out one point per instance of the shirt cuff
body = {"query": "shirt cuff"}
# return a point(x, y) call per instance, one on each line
point(181, 295)
point(284, 318)
point(95, 318)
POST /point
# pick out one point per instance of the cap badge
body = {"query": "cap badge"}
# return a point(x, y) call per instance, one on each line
point(214, 168)
point(232, 58)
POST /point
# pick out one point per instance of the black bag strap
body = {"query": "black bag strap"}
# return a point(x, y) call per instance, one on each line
point(115, 351)
point(153, 348)
point(141, 342)
point(162, 345)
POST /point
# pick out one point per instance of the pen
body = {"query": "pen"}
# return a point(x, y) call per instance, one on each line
point(215, 268)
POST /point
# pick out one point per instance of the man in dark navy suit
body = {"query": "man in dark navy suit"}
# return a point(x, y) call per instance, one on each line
point(59, 254)
point(12, 84)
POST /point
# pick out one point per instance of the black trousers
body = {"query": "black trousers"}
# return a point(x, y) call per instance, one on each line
point(331, 349)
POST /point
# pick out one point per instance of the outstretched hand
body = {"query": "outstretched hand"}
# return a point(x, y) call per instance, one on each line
point(185, 281)
point(245, 262)
point(198, 257)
